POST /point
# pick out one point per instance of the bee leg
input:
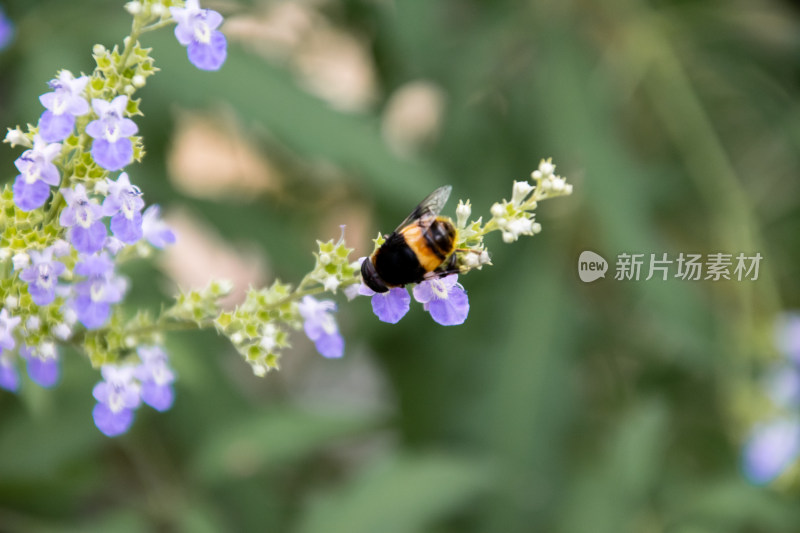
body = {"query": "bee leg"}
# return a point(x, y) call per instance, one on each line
point(447, 268)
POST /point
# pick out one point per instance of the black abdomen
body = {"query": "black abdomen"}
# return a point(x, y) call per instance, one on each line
point(396, 263)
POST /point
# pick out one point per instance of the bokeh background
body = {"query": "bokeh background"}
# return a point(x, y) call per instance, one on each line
point(559, 406)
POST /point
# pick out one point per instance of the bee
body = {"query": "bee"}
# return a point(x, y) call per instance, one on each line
point(420, 248)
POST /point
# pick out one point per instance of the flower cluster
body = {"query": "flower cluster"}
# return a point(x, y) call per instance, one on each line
point(512, 218)
point(126, 386)
point(258, 327)
point(440, 293)
point(774, 445)
point(73, 216)
point(444, 298)
point(66, 223)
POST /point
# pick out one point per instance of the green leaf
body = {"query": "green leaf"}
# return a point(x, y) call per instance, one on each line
point(613, 495)
point(254, 443)
point(398, 495)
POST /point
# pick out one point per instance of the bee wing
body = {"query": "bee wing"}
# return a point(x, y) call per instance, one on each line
point(430, 207)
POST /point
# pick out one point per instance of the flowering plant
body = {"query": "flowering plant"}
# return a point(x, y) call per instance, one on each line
point(73, 215)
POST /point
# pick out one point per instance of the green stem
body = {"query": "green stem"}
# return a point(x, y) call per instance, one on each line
point(130, 42)
point(168, 324)
point(158, 25)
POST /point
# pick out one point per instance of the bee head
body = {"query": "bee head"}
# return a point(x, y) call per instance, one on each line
point(371, 277)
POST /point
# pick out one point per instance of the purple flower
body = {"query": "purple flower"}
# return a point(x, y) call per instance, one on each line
point(42, 276)
point(117, 396)
point(155, 229)
point(37, 173)
point(156, 378)
point(124, 205)
point(6, 30)
point(197, 31)
point(320, 326)
point(9, 376)
point(771, 448)
point(7, 325)
point(84, 218)
point(112, 149)
point(63, 105)
point(93, 297)
point(445, 299)
point(388, 306)
point(42, 364)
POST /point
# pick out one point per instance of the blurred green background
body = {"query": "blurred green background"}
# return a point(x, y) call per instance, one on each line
point(559, 406)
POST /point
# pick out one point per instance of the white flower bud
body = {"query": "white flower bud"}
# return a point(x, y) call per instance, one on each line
point(237, 338)
point(61, 331)
point(101, 187)
point(11, 302)
point(269, 343)
point(324, 258)
point(5, 254)
point(98, 49)
point(138, 81)
point(520, 191)
point(567, 189)
point(558, 184)
point(33, 323)
point(484, 258)
point(47, 350)
point(259, 368)
point(129, 89)
point(509, 237)
point(224, 286)
point(547, 167)
point(134, 8)
point(497, 210)
point(536, 174)
point(521, 226)
point(20, 260)
point(536, 228)
point(16, 137)
point(130, 341)
point(471, 261)
point(70, 317)
point(331, 283)
point(463, 212)
point(158, 10)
